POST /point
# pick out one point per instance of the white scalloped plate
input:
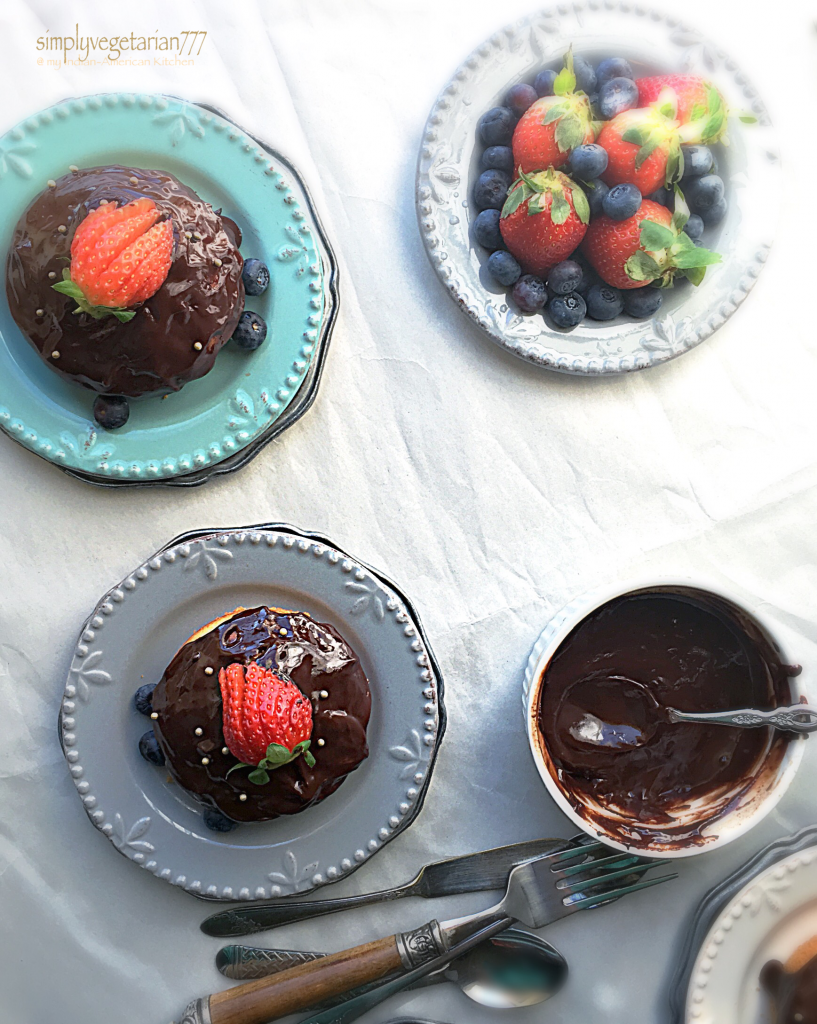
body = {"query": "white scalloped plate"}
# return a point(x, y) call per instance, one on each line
point(768, 919)
point(132, 635)
point(448, 166)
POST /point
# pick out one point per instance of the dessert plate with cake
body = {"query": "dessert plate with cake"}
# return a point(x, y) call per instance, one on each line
point(169, 291)
point(252, 713)
point(588, 189)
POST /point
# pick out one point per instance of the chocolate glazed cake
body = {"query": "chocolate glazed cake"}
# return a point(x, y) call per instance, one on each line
point(793, 987)
point(188, 703)
point(607, 739)
point(175, 335)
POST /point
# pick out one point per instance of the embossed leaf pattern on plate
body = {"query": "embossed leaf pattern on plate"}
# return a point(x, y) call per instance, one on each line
point(368, 598)
point(84, 446)
point(179, 122)
point(131, 838)
point(667, 336)
point(411, 753)
point(13, 158)
point(86, 672)
point(292, 877)
point(697, 51)
point(294, 252)
point(765, 894)
point(242, 410)
point(208, 557)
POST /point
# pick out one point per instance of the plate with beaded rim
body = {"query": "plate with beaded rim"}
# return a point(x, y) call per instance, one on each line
point(217, 423)
point(132, 635)
point(768, 919)
point(448, 166)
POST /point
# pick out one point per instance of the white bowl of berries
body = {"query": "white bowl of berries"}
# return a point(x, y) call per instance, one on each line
point(596, 188)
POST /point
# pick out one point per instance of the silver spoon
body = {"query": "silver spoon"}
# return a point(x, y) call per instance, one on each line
point(508, 970)
point(800, 718)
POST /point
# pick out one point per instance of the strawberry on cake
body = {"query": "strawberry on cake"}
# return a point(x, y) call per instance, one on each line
point(261, 713)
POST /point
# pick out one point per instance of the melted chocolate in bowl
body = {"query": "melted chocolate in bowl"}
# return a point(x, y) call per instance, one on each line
point(315, 657)
point(199, 301)
point(794, 993)
point(606, 737)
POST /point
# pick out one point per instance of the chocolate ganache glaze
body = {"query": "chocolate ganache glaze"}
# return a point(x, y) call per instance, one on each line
point(200, 301)
point(316, 658)
point(793, 989)
point(607, 738)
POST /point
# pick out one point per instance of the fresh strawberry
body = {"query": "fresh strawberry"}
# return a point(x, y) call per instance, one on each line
point(120, 256)
point(544, 218)
point(643, 147)
point(550, 129)
point(651, 246)
point(699, 104)
point(267, 720)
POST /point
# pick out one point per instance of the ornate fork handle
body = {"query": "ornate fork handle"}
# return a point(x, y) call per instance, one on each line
point(800, 718)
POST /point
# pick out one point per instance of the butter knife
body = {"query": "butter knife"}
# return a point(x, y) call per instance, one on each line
point(474, 872)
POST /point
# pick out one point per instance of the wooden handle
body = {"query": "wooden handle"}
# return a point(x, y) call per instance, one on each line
point(266, 999)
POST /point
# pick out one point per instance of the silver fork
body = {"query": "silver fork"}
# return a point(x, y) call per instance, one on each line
point(538, 893)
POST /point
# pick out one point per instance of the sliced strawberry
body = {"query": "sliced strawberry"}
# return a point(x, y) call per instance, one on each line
point(649, 247)
point(267, 721)
point(544, 218)
point(119, 256)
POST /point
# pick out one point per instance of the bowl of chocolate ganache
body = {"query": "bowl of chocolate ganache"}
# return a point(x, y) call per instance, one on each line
point(598, 685)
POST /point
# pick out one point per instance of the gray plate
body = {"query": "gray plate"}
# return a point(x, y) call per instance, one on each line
point(134, 632)
point(448, 166)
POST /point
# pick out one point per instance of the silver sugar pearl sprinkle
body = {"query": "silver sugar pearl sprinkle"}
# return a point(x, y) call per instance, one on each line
point(197, 345)
point(209, 670)
point(51, 275)
point(133, 180)
point(324, 694)
point(39, 312)
point(217, 262)
point(197, 235)
point(321, 742)
point(73, 168)
point(103, 202)
point(225, 750)
point(52, 183)
point(205, 760)
point(188, 234)
point(154, 715)
point(62, 229)
point(242, 797)
point(55, 354)
point(199, 731)
point(282, 631)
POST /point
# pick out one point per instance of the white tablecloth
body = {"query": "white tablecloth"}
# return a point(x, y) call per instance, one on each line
point(490, 491)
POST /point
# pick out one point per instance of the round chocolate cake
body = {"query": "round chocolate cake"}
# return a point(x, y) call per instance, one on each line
point(175, 334)
point(608, 739)
point(190, 714)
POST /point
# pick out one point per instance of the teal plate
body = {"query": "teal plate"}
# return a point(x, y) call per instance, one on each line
point(216, 424)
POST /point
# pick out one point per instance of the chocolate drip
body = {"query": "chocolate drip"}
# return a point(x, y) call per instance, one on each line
point(317, 658)
point(606, 735)
point(200, 301)
point(794, 994)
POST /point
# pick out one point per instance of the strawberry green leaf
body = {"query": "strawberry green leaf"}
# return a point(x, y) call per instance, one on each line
point(694, 274)
point(122, 315)
point(515, 199)
point(655, 237)
point(681, 215)
point(637, 136)
point(695, 257)
point(713, 127)
point(73, 291)
point(581, 205)
point(259, 777)
point(277, 754)
point(646, 150)
point(303, 748)
point(748, 118)
point(698, 111)
point(682, 241)
point(564, 83)
point(559, 208)
point(570, 132)
point(642, 267)
point(531, 182)
point(537, 204)
point(235, 767)
point(713, 99)
point(70, 289)
point(555, 112)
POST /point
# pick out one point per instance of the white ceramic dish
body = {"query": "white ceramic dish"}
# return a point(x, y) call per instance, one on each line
point(132, 635)
point(755, 804)
point(448, 167)
point(767, 920)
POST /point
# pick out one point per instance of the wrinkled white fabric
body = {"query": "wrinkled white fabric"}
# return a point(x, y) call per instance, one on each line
point(490, 491)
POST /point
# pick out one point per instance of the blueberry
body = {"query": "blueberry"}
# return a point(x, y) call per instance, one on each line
point(530, 293)
point(641, 303)
point(255, 276)
point(604, 302)
point(694, 227)
point(702, 193)
point(589, 278)
point(588, 162)
point(585, 75)
point(567, 310)
point(613, 67)
point(498, 157)
point(486, 230)
point(251, 331)
point(143, 698)
point(715, 213)
point(491, 189)
point(496, 127)
point(595, 192)
point(564, 278)
point(622, 201)
point(698, 161)
point(149, 748)
point(504, 268)
point(111, 411)
point(616, 96)
point(520, 97)
point(218, 822)
point(543, 83)
point(663, 196)
point(593, 100)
